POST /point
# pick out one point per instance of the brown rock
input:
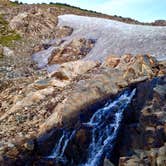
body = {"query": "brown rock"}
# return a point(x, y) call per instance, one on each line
point(71, 70)
point(73, 51)
point(112, 61)
point(33, 22)
point(63, 31)
point(126, 58)
point(107, 82)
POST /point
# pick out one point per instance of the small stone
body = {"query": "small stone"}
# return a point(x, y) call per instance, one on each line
point(8, 52)
point(42, 84)
point(10, 145)
point(29, 145)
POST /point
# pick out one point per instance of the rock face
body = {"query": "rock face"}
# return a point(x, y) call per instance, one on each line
point(108, 81)
point(144, 138)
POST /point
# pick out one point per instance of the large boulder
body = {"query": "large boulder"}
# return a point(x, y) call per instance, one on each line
point(73, 69)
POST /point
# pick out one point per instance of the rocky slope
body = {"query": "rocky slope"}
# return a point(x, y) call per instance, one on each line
point(81, 70)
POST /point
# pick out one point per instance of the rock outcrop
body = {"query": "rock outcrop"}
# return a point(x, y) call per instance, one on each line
point(107, 81)
point(71, 70)
point(34, 23)
point(60, 51)
point(76, 50)
point(144, 139)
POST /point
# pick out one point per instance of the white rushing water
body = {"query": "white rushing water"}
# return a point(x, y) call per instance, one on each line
point(103, 125)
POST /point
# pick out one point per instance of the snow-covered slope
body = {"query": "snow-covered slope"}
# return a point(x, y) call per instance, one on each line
point(115, 37)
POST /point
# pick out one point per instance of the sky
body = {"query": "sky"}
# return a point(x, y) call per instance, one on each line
point(142, 10)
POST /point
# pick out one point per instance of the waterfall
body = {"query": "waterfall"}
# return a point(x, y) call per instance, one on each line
point(104, 127)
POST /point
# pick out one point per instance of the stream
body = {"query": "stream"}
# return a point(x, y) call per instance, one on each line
point(103, 128)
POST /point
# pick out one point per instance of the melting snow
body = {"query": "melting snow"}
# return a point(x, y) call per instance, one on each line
point(112, 37)
point(115, 37)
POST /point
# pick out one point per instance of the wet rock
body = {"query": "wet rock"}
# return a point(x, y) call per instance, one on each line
point(151, 137)
point(161, 90)
point(81, 136)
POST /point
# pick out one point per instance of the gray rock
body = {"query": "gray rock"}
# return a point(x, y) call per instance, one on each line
point(8, 52)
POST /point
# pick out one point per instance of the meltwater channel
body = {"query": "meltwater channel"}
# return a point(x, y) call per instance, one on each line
point(103, 126)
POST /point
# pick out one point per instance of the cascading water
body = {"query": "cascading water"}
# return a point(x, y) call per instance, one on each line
point(103, 127)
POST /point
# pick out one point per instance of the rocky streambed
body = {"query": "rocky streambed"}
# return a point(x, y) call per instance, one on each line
point(123, 129)
point(102, 132)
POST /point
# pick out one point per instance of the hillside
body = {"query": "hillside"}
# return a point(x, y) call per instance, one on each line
point(79, 87)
